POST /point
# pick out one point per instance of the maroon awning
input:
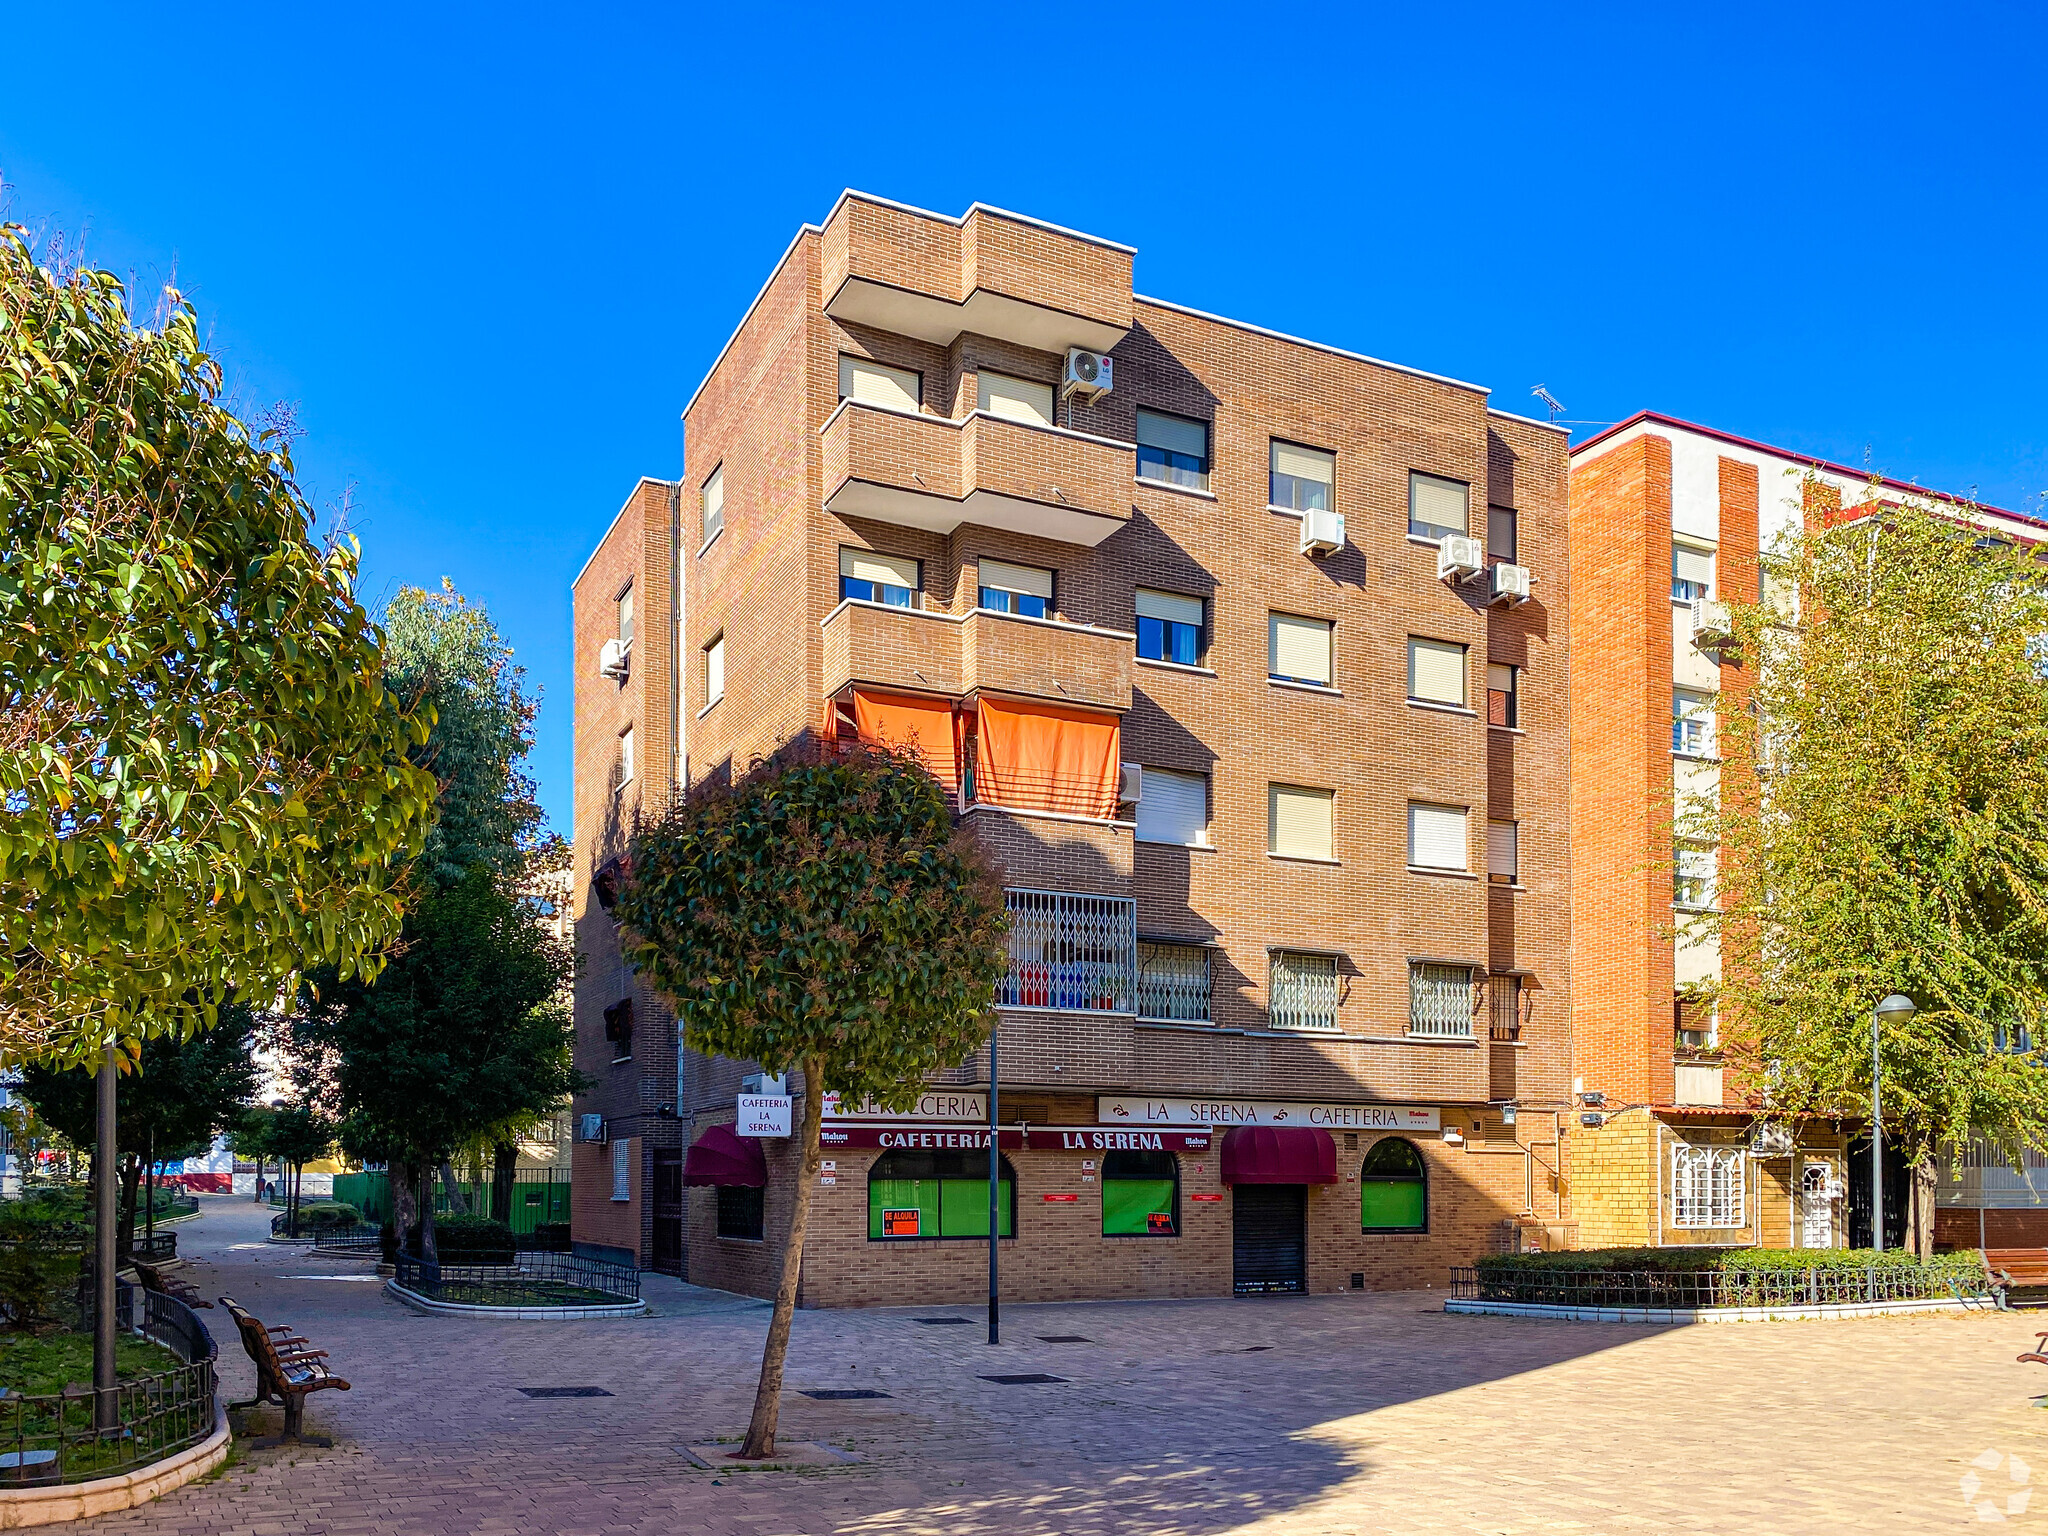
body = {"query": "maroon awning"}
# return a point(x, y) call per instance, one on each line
point(1278, 1154)
point(718, 1156)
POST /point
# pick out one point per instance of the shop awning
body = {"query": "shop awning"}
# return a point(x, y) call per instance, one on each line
point(1278, 1154)
point(718, 1156)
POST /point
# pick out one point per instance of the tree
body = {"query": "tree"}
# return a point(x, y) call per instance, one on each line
point(296, 1135)
point(1894, 837)
point(203, 777)
point(826, 914)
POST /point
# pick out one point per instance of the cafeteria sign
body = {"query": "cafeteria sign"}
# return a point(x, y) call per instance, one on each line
point(763, 1114)
point(1146, 1112)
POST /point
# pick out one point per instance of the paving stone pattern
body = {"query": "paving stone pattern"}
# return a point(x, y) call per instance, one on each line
point(1335, 1414)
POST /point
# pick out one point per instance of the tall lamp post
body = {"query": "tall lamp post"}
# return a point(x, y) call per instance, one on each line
point(1895, 1009)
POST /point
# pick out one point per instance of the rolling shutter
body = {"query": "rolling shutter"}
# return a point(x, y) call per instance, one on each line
point(1503, 851)
point(1299, 648)
point(1298, 821)
point(1305, 463)
point(875, 384)
point(1436, 671)
point(1174, 434)
point(1689, 564)
point(1171, 607)
point(1016, 399)
point(1028, 579)
point(1173, 808)
point(888, 570)
point(1438, 503)
point(1436, 836)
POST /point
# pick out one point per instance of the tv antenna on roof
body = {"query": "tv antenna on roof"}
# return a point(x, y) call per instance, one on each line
point(1555, 405)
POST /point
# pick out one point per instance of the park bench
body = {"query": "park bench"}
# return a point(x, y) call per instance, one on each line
point(2017, 1269)
point(287, 1369)
point(158, 1278)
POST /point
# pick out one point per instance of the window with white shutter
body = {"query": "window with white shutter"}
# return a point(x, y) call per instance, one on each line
point(1023, 589)
point(1436, 671)
point(1173, 808)
point(1170, 627)
point(1015, 399)
point(1437, 506)
point(1298, 821)
point(877, 384)
point(1503, 852)
point(1173, 449)
point(1298, 649)
point(712, 503)
point(1503, 707)
point(1436, 836)
point(714, 671)
point(1303, 479)
point(1692, 572)
point(869, 577)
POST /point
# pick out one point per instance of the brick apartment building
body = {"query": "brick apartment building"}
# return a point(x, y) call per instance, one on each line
point(1667, 521)
point(1282, 809)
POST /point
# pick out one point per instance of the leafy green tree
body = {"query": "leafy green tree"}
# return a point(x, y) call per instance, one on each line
point(204, 784)
point(1894, 837)
point(296, 1135)
point(823, 914)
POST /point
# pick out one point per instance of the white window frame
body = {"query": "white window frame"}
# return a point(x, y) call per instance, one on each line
point(1151, 782)
point(622, 1169)
point(1434, 532)
point(711, 506)
point(622, 623)
point(714, 669)
point(1273, 624)
point(625, 757)
point(908, 381)
point(1464, 815)
point(1681, 586)
point(1420, 645)
point(1692, 722)
point(1274, 793)
point(1709, 1186)
point(1322, 458)
point(1692, 877)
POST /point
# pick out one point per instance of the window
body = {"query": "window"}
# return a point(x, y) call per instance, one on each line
point(1502, 705)
point(1504, 1001)
point(711, 504)
point(625, 763)
point(714, 671)
point(1298, 649)
point(740, 1211)
point(1439, 999)
point(1302, 991)
point(1503, 852)
point(1393, 1188)
point(1173, 982)
point(1692, 722)
point(1015, 399)
point(1436, 671)
point(622, 1170)
point(1140, 1194)
point(1707, 1186)
point(1437, 506)
point(872, 578)
point(1298, 821)
point(898, 389)
point(937, 1194)
point(1170, 627)
point(1500, 533)
point(1693, 1025)
point(1173, 449)
point(1436, 836)
point(1780, 594)
point(1692, 572)
point(1692, 877)
point(1303, 479)
point(618, 1029)
point(1072, 952)
point(1019, 589)
point(625, 628)
point(1173, 808)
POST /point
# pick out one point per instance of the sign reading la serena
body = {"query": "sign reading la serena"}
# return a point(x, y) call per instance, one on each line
point(1148, 1112)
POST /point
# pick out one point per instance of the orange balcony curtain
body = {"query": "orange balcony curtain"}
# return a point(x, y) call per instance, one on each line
point(905, 720)
point(1041, 757)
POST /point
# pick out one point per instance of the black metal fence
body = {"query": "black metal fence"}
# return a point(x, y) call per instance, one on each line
point(1685, 1289)
point(54, 1438)
point(360, 1237)
point(532, 1280)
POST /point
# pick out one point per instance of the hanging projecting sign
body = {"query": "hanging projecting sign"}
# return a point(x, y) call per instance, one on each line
point(935, 1105)
point(763, 1114)
point(1146, 1112)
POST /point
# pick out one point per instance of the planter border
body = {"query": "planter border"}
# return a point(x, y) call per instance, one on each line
point(1760, 1314)
point(415, 1300)
point(55, 1502)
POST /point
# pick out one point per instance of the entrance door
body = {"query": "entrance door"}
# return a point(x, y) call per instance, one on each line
point(1817, 1206)
point(1859, 1195)
point(1269, 1238)
point(668, 1211)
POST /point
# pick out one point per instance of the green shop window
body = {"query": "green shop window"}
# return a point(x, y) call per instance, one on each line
point(923, 1195)
point(1140, 1195)
point(1393, 1188)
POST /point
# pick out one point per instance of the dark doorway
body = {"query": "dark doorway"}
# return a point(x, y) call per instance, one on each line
point(1269, 1238)
point(1859, 1195)
point(668, 1210)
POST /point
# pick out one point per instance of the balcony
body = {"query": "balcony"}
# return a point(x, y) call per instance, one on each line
point(920, 274)
point(935, 473)
point(1071, 952)
point(926, 651)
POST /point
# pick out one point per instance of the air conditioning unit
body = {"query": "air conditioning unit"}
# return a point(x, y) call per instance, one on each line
point(1459, 558)
point(592, 1128)
point(1322, 532)
point(1510, 584)
point(1130, 784)
point(1088, 374)
point(615, 660)
point(772, 1083)
point(1710, 622)
point(1771, 1141)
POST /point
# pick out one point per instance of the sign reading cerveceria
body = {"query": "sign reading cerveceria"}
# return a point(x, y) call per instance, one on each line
point(936, 1104)
point(1133, 1110)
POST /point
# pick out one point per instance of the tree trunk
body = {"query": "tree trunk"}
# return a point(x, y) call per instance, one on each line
point(405, 1202)
point(504, 1168)
point(149, 1193)
point(457, 1206)
point(430, 1249)
point(768, 1395)
point(1920, 1208)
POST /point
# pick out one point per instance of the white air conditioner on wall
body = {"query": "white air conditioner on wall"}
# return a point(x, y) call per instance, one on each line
point(1322, 532)
point(592, 1128)
point(1459, 558)
point(615, 659)
point(1088, 374)
point(1510, 584)
point(1710, 622)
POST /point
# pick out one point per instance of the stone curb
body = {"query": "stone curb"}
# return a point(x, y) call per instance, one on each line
point(1765, 1314)
point(23, 1507)
point(419, 1303)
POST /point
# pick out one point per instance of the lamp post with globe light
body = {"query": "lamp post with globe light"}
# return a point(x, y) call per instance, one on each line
point(1895, 1009)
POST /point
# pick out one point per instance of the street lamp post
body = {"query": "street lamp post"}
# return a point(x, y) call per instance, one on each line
point(1895, 1009)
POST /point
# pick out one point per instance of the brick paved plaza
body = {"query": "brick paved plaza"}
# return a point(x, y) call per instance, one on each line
point(1353, 1413)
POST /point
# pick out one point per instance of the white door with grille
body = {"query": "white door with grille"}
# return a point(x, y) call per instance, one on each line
point(1817, 1206)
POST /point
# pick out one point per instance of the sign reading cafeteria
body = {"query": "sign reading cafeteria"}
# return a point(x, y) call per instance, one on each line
point(763, 1114)
point(937, 1104)
point(916, 1138)
point(1146, 1112)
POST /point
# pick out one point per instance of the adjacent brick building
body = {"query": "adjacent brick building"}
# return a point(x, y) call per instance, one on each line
point(1282, 810)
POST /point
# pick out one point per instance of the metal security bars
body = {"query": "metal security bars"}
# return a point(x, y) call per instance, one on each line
point(1707, 1186)
point(1173, 983)
point(1078, 953)
point(1504, 1001)
point(1303, 991)
point(1439, 1000)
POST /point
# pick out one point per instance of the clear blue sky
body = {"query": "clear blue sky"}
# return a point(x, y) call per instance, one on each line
point(491, 253)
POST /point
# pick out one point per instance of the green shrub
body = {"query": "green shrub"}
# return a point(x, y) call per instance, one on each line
point(473, 1240)
point(329, 1213)
point(1705, 1260)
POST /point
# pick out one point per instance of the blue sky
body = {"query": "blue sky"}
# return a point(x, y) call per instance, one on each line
point(490, 253)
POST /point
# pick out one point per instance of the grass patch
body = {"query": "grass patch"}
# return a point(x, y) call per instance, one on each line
point(34, 1367)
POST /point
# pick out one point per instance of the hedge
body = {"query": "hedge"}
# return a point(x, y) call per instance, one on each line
point(1729, 1261)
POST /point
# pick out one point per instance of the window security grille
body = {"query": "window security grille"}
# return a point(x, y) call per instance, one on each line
point(1173, 982)
point(1439, 999)
point(1707, 1186)
point(1504, 1003)
point(1071, 952)
point(1303, 991)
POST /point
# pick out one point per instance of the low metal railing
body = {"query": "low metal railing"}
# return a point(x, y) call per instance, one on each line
point(1685, 1289)
point(533, 1279)
point(359, 1237)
